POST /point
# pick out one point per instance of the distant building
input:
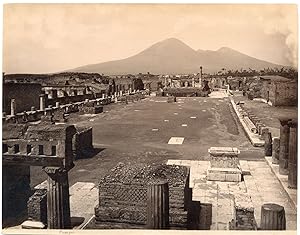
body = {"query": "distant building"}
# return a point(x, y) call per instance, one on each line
point(279, 91)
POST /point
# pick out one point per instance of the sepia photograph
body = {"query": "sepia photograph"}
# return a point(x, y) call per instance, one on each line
point(130, 117)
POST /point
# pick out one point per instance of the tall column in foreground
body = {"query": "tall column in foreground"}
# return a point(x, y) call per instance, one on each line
point(58, 203)
point(292, 163)
point(284, 146)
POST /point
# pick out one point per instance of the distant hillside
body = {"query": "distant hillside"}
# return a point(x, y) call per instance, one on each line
point(172, 56)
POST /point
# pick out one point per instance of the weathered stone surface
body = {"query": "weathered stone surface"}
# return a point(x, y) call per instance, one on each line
point(32, 225)
point(37, 206)
point(224, 157)
point(123, 193)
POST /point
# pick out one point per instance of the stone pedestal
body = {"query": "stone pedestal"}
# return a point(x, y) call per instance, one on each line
point(224, 165)
point(284, 146)
point(58, 204)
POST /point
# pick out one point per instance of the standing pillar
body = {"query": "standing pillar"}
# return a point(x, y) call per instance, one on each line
point(272, 217)
point(268, 144)
point(292, 163)
point(275, 150)
point(158, 205)
point(284, 146)
point(58, 203)
point(12, 107)
point(42, 102)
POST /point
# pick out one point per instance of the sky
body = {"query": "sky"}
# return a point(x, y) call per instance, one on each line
point(48, 38)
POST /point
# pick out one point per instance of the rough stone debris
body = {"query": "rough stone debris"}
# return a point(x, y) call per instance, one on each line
point(123, 193)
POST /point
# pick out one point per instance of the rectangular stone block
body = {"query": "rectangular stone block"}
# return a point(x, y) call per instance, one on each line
point(214, 176)
point(224, 157)
point(233, 177)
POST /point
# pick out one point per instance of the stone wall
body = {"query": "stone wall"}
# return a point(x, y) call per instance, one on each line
point(286, 93)
point(123, 194)
point(37, 206)
point(83, 142)
point(15, 190)
point(26, 95)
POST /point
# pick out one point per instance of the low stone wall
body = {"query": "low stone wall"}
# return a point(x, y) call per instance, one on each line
point(244, 213)
point(184, 92)
point(123, 194)
point(37, 206)
point(91, 110)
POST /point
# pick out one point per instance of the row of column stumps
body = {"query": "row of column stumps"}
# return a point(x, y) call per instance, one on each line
point(43, 101)
point(288, 150)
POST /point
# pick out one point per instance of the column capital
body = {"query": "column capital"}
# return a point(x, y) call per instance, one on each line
point(284, 121)
point(293, 123)
point(54, 170)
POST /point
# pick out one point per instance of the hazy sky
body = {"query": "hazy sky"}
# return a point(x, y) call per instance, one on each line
point(43, 38)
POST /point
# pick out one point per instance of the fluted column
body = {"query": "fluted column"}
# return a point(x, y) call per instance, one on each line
point(284, 146)
point(292, 163)
point(58, 204)
point(158, 205)
point(275, 150)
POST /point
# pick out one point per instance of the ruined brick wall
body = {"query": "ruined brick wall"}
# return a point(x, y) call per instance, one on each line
point(244, 219)
point(15, 190)
point(266, 92)
point(26, 95)
point(68, 99)
point(286, 93)
point(82, 142)
point(37, 206)
point(123, 194)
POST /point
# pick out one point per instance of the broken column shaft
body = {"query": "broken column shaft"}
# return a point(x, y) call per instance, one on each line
point(292, 162)
point(158, 205)
point(284, 146)
point(58, 204)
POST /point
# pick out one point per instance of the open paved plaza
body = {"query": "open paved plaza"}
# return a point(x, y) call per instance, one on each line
point(152, 130)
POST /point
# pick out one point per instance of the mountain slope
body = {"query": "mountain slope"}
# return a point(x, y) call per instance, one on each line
point(172, 56)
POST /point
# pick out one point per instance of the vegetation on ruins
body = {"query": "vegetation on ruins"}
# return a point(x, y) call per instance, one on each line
point(287, 72)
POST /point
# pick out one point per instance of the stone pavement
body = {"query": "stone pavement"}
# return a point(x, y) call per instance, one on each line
point(83, 199)
point(260, 184)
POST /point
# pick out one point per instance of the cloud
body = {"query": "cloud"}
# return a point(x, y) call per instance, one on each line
point(283, 21)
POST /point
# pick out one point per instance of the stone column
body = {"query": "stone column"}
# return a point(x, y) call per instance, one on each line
point(275, 150)
point(158, 205)
point(42, 102)
point(268, 144)
point(12, 107)
point(58, 203)
point(292, 163)
point(272, 217)
point(284, 146)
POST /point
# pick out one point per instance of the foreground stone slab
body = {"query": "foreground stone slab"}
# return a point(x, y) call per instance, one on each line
point(32, 225)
